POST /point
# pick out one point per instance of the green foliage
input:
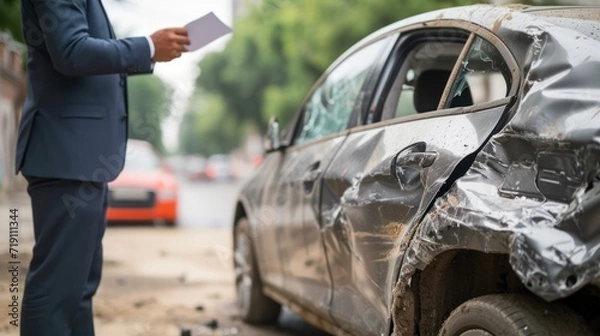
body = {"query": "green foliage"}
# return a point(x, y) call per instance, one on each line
point(10, 18)
point(207, 130)
point(149, 104)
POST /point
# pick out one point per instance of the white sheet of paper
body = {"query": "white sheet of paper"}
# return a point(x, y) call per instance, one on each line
point(204, 30)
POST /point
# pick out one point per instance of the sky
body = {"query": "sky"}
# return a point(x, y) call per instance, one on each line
point(143, 17)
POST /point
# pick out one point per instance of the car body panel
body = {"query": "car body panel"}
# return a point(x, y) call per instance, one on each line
point(553, 243)
point(370, 204)
point(256, 199)
point(166, 210)
point(287, 239)
point(143, 193)
point(299, 241)
point(155, 182)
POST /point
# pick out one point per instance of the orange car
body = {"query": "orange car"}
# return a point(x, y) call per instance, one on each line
point(146, 190)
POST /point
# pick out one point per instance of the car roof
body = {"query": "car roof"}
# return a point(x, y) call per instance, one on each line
point(585, 20)
point(574, 12)
point(505, 21)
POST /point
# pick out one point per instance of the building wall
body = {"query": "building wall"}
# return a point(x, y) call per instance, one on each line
point(12, 92)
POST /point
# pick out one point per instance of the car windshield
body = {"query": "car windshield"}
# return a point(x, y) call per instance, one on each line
point(141, 158)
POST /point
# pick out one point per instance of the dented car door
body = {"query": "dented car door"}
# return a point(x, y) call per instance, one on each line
point(386, 175)
point(320, 132)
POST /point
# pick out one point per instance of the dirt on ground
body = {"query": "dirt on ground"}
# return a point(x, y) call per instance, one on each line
point(160, 281)
point(163, 282)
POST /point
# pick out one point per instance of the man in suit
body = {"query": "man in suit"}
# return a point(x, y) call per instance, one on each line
point(71, 142)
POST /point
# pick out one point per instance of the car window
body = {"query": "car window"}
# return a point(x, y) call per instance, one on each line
point(421, 78)
point(330, 106)
point(484, 76)
point(141, 158)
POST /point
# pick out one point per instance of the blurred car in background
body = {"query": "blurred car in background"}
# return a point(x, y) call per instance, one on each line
point(145, 191)
point(220, 167)
point(195, 168)
point(177, 164)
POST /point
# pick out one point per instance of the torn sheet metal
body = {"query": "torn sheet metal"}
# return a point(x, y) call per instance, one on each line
point(379, 185)
point(533, 191)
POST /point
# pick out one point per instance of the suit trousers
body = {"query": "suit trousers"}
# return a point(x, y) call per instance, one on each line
point(69, 219)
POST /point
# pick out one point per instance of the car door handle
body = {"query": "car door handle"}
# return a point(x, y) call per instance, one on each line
point(416, 160)
point(311, 176)
point(408, 164)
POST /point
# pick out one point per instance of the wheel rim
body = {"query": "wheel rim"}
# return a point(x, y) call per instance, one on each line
point(243, 271)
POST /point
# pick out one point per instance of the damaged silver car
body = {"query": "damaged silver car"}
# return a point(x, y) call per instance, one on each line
point(441, 178)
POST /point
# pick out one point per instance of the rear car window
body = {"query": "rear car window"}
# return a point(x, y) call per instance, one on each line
point(421, 79)
point(484, 76)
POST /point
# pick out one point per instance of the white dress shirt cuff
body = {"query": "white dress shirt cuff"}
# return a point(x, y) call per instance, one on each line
point(151, 44)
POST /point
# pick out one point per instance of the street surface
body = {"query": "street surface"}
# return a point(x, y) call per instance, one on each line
point(206, 204)
point(160, 281)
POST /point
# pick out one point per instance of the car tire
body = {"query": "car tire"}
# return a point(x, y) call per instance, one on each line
point(171, 223)
point(512, 315)
point(255, 307)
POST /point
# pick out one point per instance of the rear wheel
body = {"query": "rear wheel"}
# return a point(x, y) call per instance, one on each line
point(512, 315)
point(255, 306)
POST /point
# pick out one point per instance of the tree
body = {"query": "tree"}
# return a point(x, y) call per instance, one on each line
point(10, 18)
point(149, 104)
point(206, 129)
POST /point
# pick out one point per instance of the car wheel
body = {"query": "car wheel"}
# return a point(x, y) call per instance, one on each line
point(255, 306)
point(512, 315)
point(171, 223)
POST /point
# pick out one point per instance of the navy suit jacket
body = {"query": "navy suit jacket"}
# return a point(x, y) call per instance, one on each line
point(74, 123)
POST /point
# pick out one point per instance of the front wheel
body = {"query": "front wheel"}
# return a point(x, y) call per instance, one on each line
point(512, 315)
point(255, 306)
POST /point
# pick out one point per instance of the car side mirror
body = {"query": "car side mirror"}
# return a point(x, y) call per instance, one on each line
point(272, 141)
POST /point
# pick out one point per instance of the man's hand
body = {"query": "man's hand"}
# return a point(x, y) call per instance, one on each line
point(169, 44)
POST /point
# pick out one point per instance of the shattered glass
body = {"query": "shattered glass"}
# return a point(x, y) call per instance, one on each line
point(329, 107)
point(483, 76)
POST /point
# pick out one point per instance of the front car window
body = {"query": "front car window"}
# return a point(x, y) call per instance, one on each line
point(331, 104)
